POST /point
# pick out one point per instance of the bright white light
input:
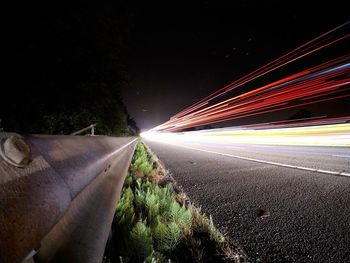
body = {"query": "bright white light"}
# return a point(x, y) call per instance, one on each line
point(324, 135)
point(160, 136)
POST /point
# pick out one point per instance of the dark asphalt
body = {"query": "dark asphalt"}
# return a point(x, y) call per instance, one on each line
point(308, 212)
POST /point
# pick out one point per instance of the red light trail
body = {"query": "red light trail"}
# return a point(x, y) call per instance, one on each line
point(327, 81)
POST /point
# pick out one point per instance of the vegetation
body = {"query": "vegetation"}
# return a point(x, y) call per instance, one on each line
point(142, 160)
point(155, 222)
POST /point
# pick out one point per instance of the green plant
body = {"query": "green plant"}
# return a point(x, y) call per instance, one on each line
point(166, 236)
point(179, 214)
point(141, 240)
point(141, 160)
point(125, 213)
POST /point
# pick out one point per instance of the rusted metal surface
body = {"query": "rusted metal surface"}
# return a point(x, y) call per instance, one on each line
point(63, 201)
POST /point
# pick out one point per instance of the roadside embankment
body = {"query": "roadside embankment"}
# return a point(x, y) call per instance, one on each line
point(156, 222)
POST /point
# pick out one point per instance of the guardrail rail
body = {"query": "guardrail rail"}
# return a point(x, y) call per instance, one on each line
point(58, 195)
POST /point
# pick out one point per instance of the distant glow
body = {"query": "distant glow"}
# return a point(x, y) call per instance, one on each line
point(162, 136)
point(321, 135)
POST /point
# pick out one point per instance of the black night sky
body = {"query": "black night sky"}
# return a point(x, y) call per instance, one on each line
point(182, 52)
point(160, 57)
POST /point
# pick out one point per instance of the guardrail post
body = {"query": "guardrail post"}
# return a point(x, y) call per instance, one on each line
point(92, 127)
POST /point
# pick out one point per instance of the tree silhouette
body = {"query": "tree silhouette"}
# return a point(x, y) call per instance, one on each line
point(66, 69)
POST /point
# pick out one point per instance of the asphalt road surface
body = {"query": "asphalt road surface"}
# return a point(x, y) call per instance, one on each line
point(279, 203)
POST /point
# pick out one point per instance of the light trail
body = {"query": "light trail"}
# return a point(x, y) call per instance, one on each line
point(327, 81)
point(284, 165)
point(314, 135)
point(305, 49)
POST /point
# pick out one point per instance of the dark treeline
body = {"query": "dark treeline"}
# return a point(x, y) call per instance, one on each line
point(66, 69)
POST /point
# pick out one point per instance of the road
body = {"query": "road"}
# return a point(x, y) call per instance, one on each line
point(279, 203)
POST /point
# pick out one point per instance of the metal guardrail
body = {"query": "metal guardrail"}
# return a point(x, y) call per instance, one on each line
point(58, 195)
point(92, 127)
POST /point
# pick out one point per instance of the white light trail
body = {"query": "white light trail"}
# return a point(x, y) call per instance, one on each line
point(321, 135)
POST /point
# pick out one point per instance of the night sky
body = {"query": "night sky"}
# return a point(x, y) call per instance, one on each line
point(156, 58)
point(179, 53)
